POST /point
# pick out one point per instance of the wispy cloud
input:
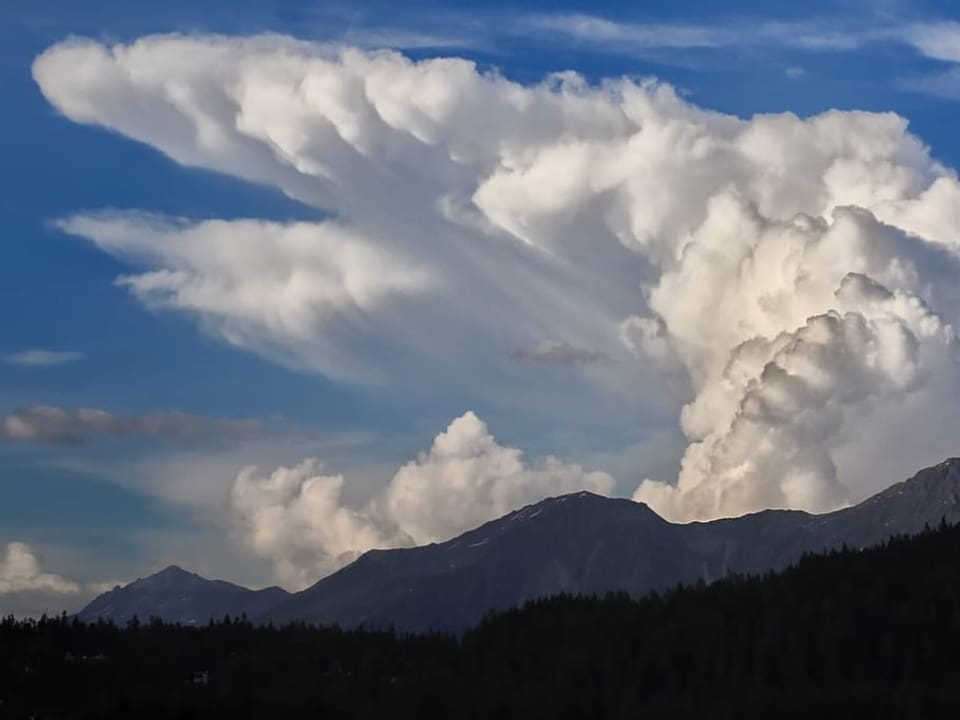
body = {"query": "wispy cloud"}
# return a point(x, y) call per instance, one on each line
point(50, 424)
point(935, 40)
point(592, 29)
point(453, 28)
point(358, 25)
point(405, 39)
point(42, 358)
point(638, 36)
point(554, 352)
point(944, 84)
point(939, 41)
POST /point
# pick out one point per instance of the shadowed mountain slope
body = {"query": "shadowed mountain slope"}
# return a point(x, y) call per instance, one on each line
point(579, 544)
point(175, 595)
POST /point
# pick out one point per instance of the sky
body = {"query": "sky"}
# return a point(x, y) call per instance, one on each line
point(286, 281)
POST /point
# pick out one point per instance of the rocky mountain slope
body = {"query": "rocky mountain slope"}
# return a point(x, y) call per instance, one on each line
point(579, 543)
point(175, 595)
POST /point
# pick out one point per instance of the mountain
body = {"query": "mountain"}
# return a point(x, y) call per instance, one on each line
point(579, 544)
point(584, 543)
point(175, 595)
point(856, 634)
point(774, 539)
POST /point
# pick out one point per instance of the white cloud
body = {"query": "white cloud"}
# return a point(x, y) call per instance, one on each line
point(295, 516)
point(20, 572)
point(944, 84)
point(41, 358)
point(28, 590)
point(51, 424)
point(598, 30)
point(611, 35)
point(793, 337)
point(467, 478)
point(936, 40)
point(277, 288)
point(797, 275)
point(410, 280)
point(405, 39)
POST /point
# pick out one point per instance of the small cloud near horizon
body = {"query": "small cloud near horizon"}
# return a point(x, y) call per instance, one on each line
point(557, 353)
point(59, 426)
point(42, 358)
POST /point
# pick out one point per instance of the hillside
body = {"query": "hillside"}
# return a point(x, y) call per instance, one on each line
point(854, 633)
point(176, 595)
point(579, 544)
point(587, 544)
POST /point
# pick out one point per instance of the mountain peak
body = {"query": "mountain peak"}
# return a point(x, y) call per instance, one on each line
point(948, 466)
point(173, 571)
point(582, 508)
point(941, 481)
point(178, 595)
point(579, 498)
point(172, 575)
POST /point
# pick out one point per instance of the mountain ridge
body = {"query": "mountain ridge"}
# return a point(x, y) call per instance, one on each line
point(177, 595)
point(580, 543)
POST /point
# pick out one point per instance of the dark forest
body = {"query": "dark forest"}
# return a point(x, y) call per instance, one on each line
point(854, 633)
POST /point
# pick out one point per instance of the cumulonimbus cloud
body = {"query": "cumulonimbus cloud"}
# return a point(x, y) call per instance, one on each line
point(296, 517)
point(798, 274)
point(51, 424)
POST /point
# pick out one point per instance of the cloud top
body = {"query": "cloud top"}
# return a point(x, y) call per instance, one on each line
point(296, 517)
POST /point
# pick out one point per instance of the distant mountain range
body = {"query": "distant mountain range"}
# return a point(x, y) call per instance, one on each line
point(579, 543)
point(175, 595)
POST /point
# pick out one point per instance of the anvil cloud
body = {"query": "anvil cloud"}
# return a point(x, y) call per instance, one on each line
point(797, 274)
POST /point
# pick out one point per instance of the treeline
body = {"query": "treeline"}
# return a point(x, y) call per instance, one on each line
point(872, 634)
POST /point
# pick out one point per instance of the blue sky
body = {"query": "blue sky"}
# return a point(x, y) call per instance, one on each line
point(121, 501)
